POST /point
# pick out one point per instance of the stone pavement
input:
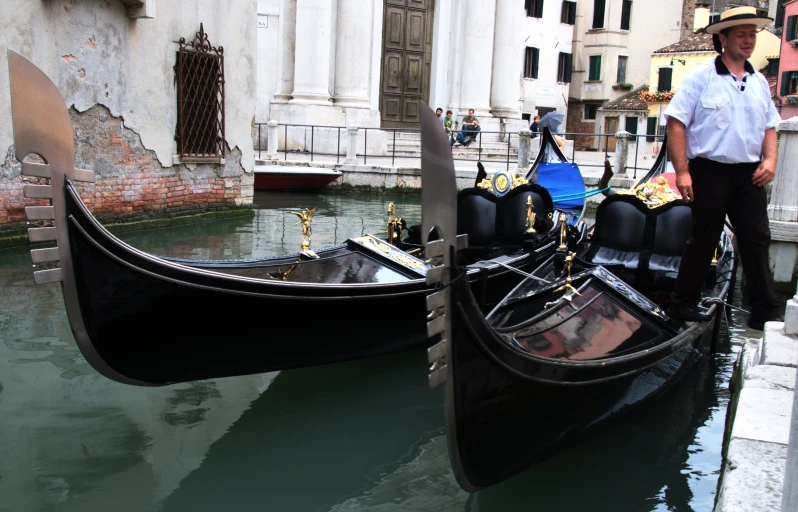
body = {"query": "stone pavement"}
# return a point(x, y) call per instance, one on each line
point(758, 423)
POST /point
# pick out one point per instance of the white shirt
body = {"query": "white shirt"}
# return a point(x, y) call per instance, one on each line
point(726, 117)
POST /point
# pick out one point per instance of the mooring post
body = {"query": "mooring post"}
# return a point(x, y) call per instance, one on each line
point(783, 207)
point(271, 140)
point(351, 145)
point(621, 152)
point(524, 149)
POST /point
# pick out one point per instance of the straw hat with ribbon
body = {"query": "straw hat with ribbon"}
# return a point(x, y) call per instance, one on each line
point(733, 17)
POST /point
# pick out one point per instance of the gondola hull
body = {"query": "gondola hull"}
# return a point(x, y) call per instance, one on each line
point(501, 423)
point(148, 320)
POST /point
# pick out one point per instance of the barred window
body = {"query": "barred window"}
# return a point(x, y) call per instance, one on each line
point(200, 99)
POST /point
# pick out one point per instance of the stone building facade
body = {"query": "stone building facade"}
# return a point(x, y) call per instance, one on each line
point(114, 61)
point(372, 63)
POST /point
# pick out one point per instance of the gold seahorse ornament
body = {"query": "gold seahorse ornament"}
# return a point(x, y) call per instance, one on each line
point(304, 218)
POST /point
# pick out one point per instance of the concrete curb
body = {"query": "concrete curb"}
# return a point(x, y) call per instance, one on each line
point(758, 424)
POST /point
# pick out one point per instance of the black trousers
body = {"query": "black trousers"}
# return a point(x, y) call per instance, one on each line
point(720, 190)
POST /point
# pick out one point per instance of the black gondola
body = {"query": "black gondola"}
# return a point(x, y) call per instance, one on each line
point(582, 340)
point(149, 320)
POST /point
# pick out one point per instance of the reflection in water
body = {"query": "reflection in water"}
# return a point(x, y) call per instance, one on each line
point(365, 435)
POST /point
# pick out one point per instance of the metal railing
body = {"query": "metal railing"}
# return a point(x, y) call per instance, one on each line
point(308, 142)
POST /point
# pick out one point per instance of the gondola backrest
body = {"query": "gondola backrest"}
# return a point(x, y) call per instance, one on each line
point(629, 233)
point(487, 218)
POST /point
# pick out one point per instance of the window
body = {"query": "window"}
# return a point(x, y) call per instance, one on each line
point(773, 67)
point(651, 128)
point(789, 83)
point(534, 8)
point(594, 73)
point(598, 13)
point(531, 62)
point(526, 117)
point(591, 109)
point(622, 60)
point(779, 21)
point(790, 32)
point(568, 12)
point(664, 83)
point(200, 99)
point(564, 67)
point(626, 14)
point(631, 125)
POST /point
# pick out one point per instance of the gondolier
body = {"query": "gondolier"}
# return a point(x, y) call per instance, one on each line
point(722, 140)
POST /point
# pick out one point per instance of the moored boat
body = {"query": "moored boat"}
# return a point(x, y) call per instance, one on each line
point(147, 320)
point(284, 177)
point(581, 341)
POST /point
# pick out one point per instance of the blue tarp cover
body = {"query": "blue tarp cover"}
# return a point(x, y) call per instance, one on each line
point(562, 179)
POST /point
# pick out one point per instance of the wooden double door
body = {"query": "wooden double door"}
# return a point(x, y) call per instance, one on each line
point(406, 61)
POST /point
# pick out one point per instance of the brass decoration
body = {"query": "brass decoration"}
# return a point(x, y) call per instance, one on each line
point(568, 287)
point(530, 216)
point(395, 225)
point(501, 183)
point(715, 257)
point(654, 194)
point(304, 218)
point(407, 261)
point(279, 275)
point(563, 234)
point(379, 245)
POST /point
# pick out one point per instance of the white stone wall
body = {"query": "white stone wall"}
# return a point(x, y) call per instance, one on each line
point(268, 55)
point(653, 24)
point(96, 54)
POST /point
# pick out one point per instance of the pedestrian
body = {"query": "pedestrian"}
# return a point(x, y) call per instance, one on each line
point(469, 129)
point(450, 124)
point(534, 128)
point(439, 113)
point(722, 142)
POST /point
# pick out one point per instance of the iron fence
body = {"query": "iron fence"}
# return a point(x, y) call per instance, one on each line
point(310, 142)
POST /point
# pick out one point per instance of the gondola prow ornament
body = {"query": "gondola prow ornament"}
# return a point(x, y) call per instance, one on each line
point(304, 218)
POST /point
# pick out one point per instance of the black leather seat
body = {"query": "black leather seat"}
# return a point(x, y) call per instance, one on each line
point(629, 234)
point(489, 219)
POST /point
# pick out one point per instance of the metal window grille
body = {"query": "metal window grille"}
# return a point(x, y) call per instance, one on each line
point(200, 98)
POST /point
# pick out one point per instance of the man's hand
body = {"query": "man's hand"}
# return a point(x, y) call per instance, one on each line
point(765, 173)
point(684, 182)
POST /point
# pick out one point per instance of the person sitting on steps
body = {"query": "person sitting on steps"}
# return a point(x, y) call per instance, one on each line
point(469, 129)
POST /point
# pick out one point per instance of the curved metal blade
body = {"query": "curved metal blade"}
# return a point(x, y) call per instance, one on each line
point(438, 184)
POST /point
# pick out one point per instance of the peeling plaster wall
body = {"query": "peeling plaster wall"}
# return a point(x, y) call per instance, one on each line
point(96, 55)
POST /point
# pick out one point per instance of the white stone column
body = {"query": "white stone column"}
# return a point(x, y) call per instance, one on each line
point(353, 53)
point(621, 153)
point(351, 145)
point(272, 140)
point(783, 207)
point(285, 57)
point(475, 48)
point(312, 55)
point(508, 56)
point(524, 150)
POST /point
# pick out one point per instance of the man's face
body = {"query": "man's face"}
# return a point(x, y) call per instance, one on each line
point(471, 112)
point(740, 41)
point(439, 112)
point(448, 115)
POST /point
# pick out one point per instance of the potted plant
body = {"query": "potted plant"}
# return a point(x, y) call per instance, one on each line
point(622, 86)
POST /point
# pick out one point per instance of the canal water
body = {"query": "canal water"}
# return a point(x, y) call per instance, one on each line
point(365, 435)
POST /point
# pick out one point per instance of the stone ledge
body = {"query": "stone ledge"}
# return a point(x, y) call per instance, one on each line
point(780, 349)
point(767, 376)
point(753, 477)
point(763, 415)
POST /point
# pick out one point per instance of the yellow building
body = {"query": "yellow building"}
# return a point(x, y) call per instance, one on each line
point(669, 66)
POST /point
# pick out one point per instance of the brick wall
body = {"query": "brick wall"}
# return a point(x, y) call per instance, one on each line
point(131, 184)
point(577, 125)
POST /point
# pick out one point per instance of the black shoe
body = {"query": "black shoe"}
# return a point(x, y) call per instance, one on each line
point(689, 313)
point(759, 325)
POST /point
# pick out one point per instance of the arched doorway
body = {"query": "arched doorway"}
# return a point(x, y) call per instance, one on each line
point(406, 61)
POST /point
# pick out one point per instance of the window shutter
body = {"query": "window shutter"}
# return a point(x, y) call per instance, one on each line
point(594, 73)
point(572, 13)
point(539, 9)
point(651, 128)
point(664, 83)
point(527, 6)
point(631, 125)
point(568, 65)
point(535, 62)
point(790, 33)
point(779, 22)
point(785, 83)
point(626, 14)
point(598, 13)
